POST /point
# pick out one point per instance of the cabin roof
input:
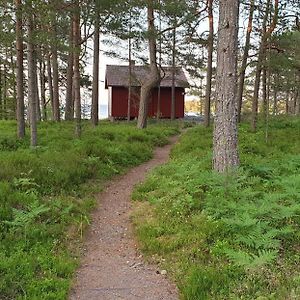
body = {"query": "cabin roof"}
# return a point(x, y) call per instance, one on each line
point(117, 75)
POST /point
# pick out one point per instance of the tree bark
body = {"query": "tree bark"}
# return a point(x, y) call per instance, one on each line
point(76, 77)
point(266, 34)
point(130, 81)
point(43, 88)
point(54, 60)
point(259, 66)
point(31, 79)
point(244, 61)
point(154, 76)
point(287, 103)
point(95, 91)
point(50, 81)
point(20, 71)
point(225, 141)
point(69, 109)
point(264, 92)
point(210, 48)
point(173, 99)
point(37, 100)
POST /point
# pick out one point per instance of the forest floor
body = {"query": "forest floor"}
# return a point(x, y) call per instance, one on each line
point(112, 266)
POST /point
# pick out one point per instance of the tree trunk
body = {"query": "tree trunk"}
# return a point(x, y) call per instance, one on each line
point(266, 34)
point(287, 103)
point(50, 82)
point(31, 80)
point(54, 60)
point(95, 92)
point(260, 61)
point(225, 150)
point(264, 93)
point(210, 48)
point(76, 78)
point(130, 81)
point(69, 110)
point(37, 100)
point(154, 76)
point(43, 88)
point(244, 61)
point(20, 70)
point(173, 99)
point(158, 112)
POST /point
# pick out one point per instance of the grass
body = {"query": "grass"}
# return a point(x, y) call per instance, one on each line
point(47, 193)
point(233, 236)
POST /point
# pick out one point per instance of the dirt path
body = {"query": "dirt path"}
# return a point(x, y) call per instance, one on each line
point(112, 267)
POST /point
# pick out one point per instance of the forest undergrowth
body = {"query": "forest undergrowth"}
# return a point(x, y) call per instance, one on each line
point(233, 236)
point(47, 193)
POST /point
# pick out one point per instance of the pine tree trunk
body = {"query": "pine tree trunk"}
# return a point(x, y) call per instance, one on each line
point(20, 70)
point(13, 67)
point(31, 80)
point(43, 88)
point(130, 81)
point(287, 103)
point(95, 91)
point(54, 60)
point(38, 107)
point(50, 82)
point(225, 141)
point(244, 61)
point(4, 107)
point(76, 77)
point(173, 99)
point(210, 48)
point(69, 110)
point(260, 61)
point(266, 34)
point(154, 76)
point(264, 93)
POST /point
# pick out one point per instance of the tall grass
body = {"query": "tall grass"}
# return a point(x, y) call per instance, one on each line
point(46, 195)
point(227, 237)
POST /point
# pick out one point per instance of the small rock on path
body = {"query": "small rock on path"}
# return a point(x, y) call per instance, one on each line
point(112, 267)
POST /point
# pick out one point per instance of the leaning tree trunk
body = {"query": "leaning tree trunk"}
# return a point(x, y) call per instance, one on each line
point(76, 77)
point(95, 91)
point(210, 48)
point(154, 76)
point(20, 71)
point(244, 61)
point(31, 80)
point(225, 152)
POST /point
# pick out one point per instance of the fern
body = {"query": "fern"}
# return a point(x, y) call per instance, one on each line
point(22, 218)
point(238, 257)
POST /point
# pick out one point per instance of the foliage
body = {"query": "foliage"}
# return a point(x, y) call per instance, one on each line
point(46, 196)
point(233, 236)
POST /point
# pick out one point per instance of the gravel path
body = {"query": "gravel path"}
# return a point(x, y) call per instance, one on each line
point(112, 267)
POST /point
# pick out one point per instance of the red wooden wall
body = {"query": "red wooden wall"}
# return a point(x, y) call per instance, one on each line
point(120, 100)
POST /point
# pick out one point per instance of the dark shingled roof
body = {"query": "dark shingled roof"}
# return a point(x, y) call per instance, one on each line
point(119, 76)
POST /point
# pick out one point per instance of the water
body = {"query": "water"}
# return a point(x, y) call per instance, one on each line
point(103, 111)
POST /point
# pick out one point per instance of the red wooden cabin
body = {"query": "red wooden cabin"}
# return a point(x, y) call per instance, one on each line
point(117, 82)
